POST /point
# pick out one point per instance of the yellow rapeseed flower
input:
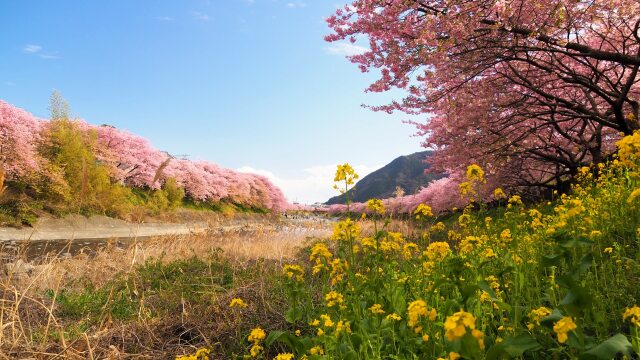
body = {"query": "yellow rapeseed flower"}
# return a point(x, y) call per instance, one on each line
point(633, 314)
point(294, 272)
point(256, 335)
point(316, 350)
point(334, 298)
point(346, 229)
point(377, 309)
point(464, 220)
point(439, 226)
point(515, 200)
point(563, 327)
point(475, 173)
point(456, 325)
point(255, 350)
point(538, 314)
point(418, 309)
point(237, 302)
point(344, 175)
point(488, 253)
point(628, 149)
point(466, 188)
point(633, 196)
point(343, 326)
point(422, 210)
point(393, 316)
point(327, 320)
point(320, 251)
point(200, 354)
point(437, 251)
point(284, 356)
point(376, 206)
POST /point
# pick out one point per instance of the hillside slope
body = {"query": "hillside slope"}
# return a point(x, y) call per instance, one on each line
point(407, 172)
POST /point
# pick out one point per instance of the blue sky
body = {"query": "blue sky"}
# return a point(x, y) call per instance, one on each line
point(247, 84)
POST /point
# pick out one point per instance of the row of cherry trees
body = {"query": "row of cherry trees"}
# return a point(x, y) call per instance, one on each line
point(531, 90)
point(133, 161)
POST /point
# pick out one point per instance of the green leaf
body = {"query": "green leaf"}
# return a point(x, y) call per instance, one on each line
point(554, 317)
point(552, 260)
point(608, 349)
point(513, 347)
point(576, 241)
point(346, 352)
point(586, 262)
point(287, 339)
point(274, 336)
point(292, 315)
point(576, 300)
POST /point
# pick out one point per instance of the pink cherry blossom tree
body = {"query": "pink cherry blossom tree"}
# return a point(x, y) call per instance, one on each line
point(529, 89)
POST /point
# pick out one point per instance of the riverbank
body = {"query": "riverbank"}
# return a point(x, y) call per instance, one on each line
point(145, 297)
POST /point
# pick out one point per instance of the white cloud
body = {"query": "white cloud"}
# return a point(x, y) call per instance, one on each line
point(345, 49)
point(164, 18)
point(31, 48)
point(49, 56)
point(200, 16)
point(314, 184)
point(296, 4)
point(37, 50)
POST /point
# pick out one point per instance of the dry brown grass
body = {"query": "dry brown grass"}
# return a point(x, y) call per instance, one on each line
point(31, 326)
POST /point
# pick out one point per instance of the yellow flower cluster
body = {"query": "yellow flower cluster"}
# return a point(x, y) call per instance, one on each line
point(316, 350)
point(563, 327)
point(434, 264)
point(464, 220)
point(456, 325)
point(334, 298)
point(423, 211)
point(538, 314)
point(376, 206)
point(628, 150)
point(393, 316)
point(439, 226)
point(633, 314)
point(344, 174)
point(256, 336)
point(237, 302)
point(345, 230)
point(633, 196)
point(437, 251)
point(200, 354)
point(320, 254)
point(475, 173)
point(416, 310)
point(284, 356)
point(377, 309)
point(466, 188)
point(294, 272)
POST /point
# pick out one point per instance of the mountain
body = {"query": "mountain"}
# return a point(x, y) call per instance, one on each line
point(407, 172)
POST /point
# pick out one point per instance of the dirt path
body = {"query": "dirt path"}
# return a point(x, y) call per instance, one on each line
point(73, 234)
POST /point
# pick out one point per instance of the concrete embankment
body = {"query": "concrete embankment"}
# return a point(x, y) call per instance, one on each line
point(96, 228)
